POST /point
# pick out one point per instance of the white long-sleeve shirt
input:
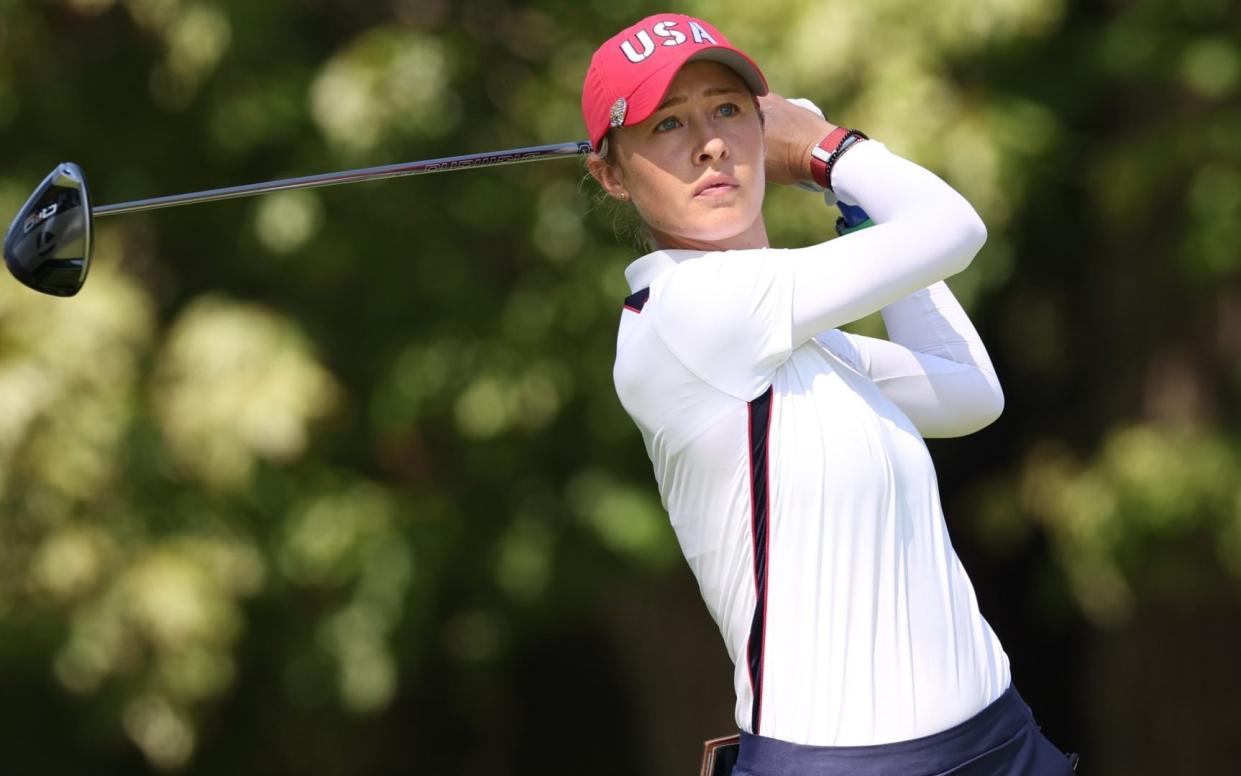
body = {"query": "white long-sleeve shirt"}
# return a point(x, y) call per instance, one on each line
point(790, 458)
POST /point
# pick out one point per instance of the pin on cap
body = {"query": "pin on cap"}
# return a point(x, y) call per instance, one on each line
point(619, 108)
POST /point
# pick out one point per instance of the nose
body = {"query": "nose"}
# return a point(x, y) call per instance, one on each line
point(713, 149)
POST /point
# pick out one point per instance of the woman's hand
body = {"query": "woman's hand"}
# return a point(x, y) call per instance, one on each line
point(790, 131)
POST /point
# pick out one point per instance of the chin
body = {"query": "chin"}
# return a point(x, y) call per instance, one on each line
point(722, 225)
point(713, 226)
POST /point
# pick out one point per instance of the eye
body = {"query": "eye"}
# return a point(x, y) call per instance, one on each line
point(728, 110)
point(668, 124)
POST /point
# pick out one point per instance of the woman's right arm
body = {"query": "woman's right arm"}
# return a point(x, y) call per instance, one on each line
point(924, 232)
point(934, 366)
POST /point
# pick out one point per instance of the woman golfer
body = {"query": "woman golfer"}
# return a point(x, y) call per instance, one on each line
point(789, 454)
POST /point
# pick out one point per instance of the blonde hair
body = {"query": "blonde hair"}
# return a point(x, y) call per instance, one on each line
point(627, 223)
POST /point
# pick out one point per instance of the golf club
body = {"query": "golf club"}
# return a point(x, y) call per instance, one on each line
point(48, 247)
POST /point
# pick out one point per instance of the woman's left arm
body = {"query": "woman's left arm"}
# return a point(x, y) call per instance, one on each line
point(933, 366)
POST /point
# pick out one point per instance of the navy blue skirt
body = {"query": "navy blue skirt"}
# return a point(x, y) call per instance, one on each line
point(1002, 739)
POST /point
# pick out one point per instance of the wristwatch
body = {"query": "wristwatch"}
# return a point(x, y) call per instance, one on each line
point(824, 156)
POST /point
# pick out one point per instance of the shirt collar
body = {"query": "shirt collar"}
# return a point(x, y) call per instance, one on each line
point(642, 272)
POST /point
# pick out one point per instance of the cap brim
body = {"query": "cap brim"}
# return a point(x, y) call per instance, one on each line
point(647, 97)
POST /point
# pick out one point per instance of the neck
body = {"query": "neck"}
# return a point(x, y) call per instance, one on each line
point(753, 237)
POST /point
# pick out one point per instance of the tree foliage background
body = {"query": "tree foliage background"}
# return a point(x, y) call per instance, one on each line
point(335, 482)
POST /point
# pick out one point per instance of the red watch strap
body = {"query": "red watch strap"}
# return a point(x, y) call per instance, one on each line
point(828, 146)
point(824, 156)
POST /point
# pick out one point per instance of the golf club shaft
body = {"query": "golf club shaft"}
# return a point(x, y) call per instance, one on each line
point(491, 159)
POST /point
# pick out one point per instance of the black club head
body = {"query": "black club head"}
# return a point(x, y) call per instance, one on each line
point(49, 244)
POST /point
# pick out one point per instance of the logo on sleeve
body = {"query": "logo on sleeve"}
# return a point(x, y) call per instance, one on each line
point(668, 34)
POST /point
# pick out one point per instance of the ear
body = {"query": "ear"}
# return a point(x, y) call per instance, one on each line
point(610, 177)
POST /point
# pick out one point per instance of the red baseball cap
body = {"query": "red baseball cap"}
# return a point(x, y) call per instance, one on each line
point(629, 74)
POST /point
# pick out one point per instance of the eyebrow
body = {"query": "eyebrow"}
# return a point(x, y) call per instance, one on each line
point(712, 92)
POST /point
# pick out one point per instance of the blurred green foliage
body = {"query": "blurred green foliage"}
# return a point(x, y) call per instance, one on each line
point(298, 484)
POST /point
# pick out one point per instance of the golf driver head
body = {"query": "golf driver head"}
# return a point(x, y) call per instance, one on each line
point(48, 246)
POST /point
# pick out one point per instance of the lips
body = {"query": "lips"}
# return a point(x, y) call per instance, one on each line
point(716, 185)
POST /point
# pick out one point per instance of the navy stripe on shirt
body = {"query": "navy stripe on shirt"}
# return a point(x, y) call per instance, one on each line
point(760, 509)
point(637, 300)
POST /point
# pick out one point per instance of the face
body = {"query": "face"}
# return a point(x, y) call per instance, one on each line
point(694, 168)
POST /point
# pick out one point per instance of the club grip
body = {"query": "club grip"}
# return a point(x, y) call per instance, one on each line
point(852, 218)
